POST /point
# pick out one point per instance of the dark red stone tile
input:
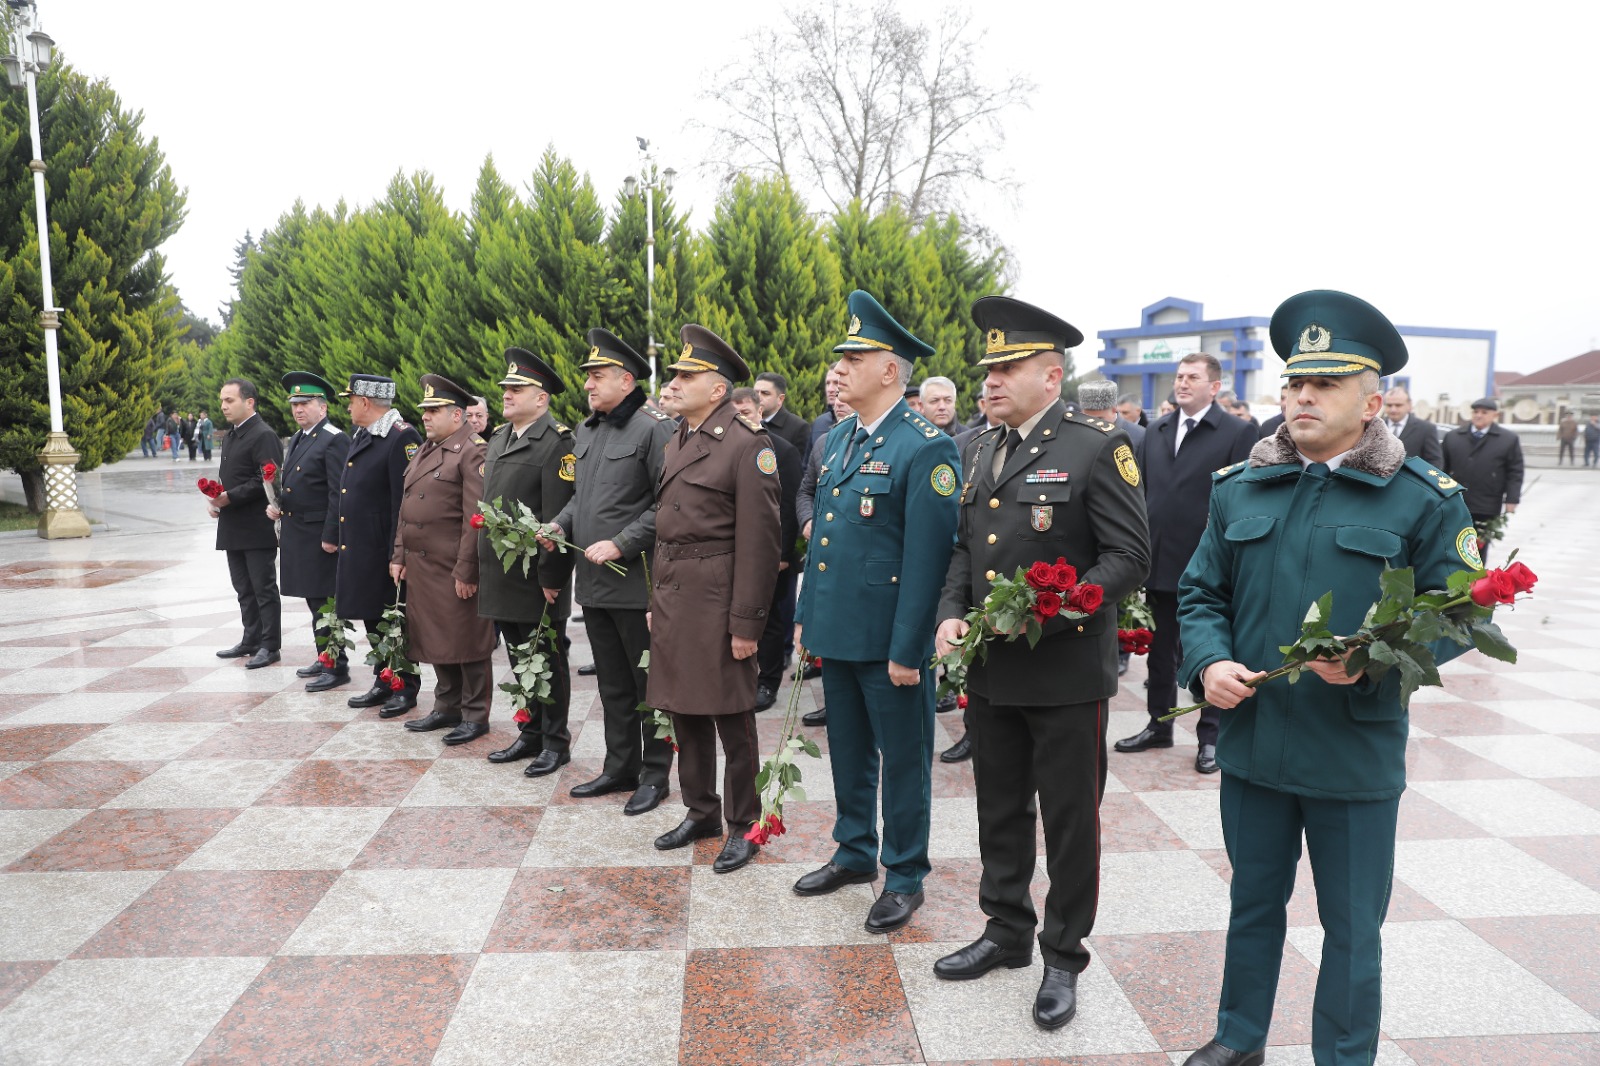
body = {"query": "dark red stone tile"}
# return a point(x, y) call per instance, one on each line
point(1577, 1049)
point(148, 679)
point(1582, 789)
point(807, 837)
point(605, 909)
point(502, 731)
point(1433, 759)
point(791, 1006)
point(1463, 720)
point(26, 743)
point(1128, 824)
point(1577, 857)
point(1160, 770)
point(1562, 951)
point(336, 1010)
point(16, 977)
point(93, 657)
point(346, 783)
point(200, 707)
point(1405, 903)
point(264, 740)
point(131, 839)
point(59, 785)
point(1152, 1058)
point(451, 838)
point(212, 912)
point(953, 780)
point(949, 912)
point(1423, 819)
point(577, 772)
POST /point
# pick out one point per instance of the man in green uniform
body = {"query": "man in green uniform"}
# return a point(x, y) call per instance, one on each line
point(1325, 503)
point(884, 528)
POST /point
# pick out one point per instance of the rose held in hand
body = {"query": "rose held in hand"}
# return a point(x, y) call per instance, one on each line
point(1522, 579)
point(1492, 588)
point(477, 521)
point(1086, 599)
point(1066, 575)
point(1042, 576)
point(1047, 606)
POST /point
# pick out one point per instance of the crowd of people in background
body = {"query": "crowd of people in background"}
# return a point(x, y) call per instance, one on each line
point(175, 432)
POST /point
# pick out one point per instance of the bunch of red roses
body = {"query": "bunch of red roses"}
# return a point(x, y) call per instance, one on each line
point(1502, 586)
point(209, 489)
point(1056, 587)
point(1135, 641)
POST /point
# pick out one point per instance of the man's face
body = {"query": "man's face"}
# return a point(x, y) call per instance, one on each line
point(914, 401)
point(1129, 411)
point(1396, 406)
point(478, 417)
point(234, 408)
point(308, 413)
point(1483, 418)
point(830, 387)
point(1193, 388)
point(939, 404)
point(607, 386)
point(1021, 388)
point(440, 422)
point(748, 408)
point(521, 404)
point(692, 395)
point(864, 377)
point(771, 398)
point(1328, 414)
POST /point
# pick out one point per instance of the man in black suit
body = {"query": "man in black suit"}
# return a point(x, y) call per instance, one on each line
point(1420, 436)
point(780, 614)
point(773, 390)
point(243, 529)
point(1177, 457)
point(1487, 460)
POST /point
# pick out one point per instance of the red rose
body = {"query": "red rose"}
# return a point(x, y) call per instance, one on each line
point(1041, 576)
point(757, 833)
point(1066, 575)
point(325, 659)
point(476, 521)
point(1522, 579)
point(522, 716)
point(385, 675)
point(1492, 588)
point(1085, 599)
point(269, 471)
point(775, 826)
point(961, 701)
point(395, 684)
point(1047, 605)
point(674, 747)
point(816, 663)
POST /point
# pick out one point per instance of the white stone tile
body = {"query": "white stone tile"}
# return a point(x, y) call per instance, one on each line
point(122, 1012)
point(1544, 659)
point(206, 783)
point(290, 838)
point(52, 679)
point(1465, 666)
point(1434, 695)
point(597, 833)
point(380, 740)
point(1552, 716)
point(22, 658)
point(1488, 879)
point(1389, 1054)
point(9, 768)
point(568, 985)
point(50, 915)
point(85, 707)
point(403, 912)
point(479, 783)
point(189, 655)
point(1537, 755)
point(151, 740)
point(1159, 892)
point(237, 679)
point(1192, 814)
point(297, 705)
point(1513, 808)
point(721, 914)
point(1565, 684)
point(22, 831)
point(151, 638)
point(1113, 785)
point(953, 831)
point(1440, 979)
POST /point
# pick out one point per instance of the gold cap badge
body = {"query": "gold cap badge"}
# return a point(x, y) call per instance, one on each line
point(855, 324)
point(1315, 338)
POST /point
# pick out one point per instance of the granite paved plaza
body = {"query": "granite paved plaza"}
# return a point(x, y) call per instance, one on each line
point(200, 864)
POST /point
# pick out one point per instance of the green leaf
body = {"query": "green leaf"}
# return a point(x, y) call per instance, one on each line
point(1398, 585)
point(1489, 639)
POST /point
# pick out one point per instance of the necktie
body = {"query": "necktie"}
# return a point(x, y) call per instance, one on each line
point(1395, 427)
point(358, 436)
point(856, 442)
point(1477, 434)
point(1188, 428)
point(1318, 470)
point(1013, 441)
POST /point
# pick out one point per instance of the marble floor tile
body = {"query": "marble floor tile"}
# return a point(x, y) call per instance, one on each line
point(1464, 719)
point(953, 831)
point(1585, 790)
point(1514, 808)
point(478, 783)
point(52, 679)
point(96, 898)
point(379, 740)
point(807, 838)
point(160, 679)
point(1563, 952)
point(297, 705)
point(1161, 770)
point(237, 679)
point(1128, 823)
point(1423, 819)
point(290, 838)
point(721, 915)
point(1535, 756)
point(346, 783)
point(1545, 1050)
point(1438, 759)
point(70, 785)
point(642, 908)
point(451, 838)
point(1550, 715)
point(17, 977)
point(212, 912)
point(263, 740)
point(22, 831)
point(950, 912)
point(31, 742)
point(102, 707)
point(161, 1010)
point(188, 655)
point(1564, 684)
point(1489, 879)
point(403, 912)
point(1158, 892)
point(1577, 857)
point(23, 658)
point(601, 835)
point(153, 637)
point(1194, 815)
point(164, 740)
point(569, 986)
point(125, 840)
point(205, 783)
point(197, 707)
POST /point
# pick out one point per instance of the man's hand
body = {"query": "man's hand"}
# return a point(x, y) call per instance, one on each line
point(648, 628)
point(329, 548)
point(602, 551)
point(220, 501)
point(1511, 508)
point(1333, 670)
point(782, 566)
point(904, 675)
point(950, 631)
point(273, 512)
point(806, 532)
point(465, 591)
point(1225, 683)
point(397, 572)
point(797, 641)
point(551, 595)
point(550, 545)
point(743, 648)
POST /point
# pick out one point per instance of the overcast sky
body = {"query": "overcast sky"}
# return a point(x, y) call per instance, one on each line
point(1441, 160)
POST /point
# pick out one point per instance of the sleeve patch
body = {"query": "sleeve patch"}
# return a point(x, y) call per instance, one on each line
point(569, 468)
point(943, 479)
point(411, 451)
point(766, 461)
point(1126, 464)
point(1467, 548)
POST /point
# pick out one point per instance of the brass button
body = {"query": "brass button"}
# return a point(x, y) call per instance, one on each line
point(829, 516)
point(341, 547)
point(989, 576)
point(836, 492)
point(342, 491)
point(993, 503)
point(1080, 629)
point(349, 464)
point(824, 542)
point(992, 538)
point(1041, 499)
point(894, 580)
point(822, 566)
point(341, 518)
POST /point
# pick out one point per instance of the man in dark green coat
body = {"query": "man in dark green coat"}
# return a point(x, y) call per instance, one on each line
point(1324, 504)
point(529, 460)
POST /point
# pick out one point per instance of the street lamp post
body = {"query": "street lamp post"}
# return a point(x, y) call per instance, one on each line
point(31, 50)
point(649, 180)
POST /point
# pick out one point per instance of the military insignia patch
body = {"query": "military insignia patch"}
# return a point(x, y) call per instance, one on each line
point(766, 461)
point(855, 325)
point(944, 480)
point(481, 468)
point(1315, 338)
point(569, 467)
point(1126, 466)
point(1467, 548)
point(411, 451)
point(1042, 518)
point(867, 506)
point(875, 466)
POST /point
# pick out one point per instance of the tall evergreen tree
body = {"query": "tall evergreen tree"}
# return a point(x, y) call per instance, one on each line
point(675, 283)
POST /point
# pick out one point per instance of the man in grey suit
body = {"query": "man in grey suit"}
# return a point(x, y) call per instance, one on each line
point(1420, 436)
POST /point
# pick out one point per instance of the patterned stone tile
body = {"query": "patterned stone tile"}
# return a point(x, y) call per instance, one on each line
point(1423, 819)
point(61, 785)
point(1162, 891)
point(196, 707)
point(102, 707)
point(126, 840)
point(1578, 857)
point(1463, 719)
point(403, 912)
point(161, 741)
point(601, 835)
point(1536, 756)
point(346, 783)
point(1437, 759)
point(1128, 823)
point(290, 838)
point(22, 831)
point(640, 908)
point(379, 740)
point(1552, 1050)
point(51, 679)
point(95, 899)
point(1563, 952)
point(17, 977)
point(212, 912)
point(1513, 808)
point(807, 838)
point(1160, 770)
point(1549, 715)
point(32, 742)
point(1583, 789)
point(479, 783)
point(148, 679)
point(263, 740)
point(205, 783)
point(451, 838)
point(722, 915)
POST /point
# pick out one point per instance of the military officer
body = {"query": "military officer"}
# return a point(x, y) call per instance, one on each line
point(612, 516)
point(1046, 483)
point(308, 511)
point(883, 531)
point(529, 460)
point(1324, 504)
point(369, 506)
point(1487, 460)
point(717, 551)
point(244, 531)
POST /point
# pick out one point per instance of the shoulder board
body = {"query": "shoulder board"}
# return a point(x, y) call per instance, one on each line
point(1442, 483)
point(927, 429)
point(331, 428)
point(749, 423)
point(658, 414)
point(563, 429)
point(476, 439)
point(1228, 471)
point(1076, 419)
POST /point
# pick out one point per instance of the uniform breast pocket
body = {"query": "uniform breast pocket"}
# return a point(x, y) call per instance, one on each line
point(868, 499)
point(1368, 543)
point(1247, 536)
point(620, 458)
point(1042, 506)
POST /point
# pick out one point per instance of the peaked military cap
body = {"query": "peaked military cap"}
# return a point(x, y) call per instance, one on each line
point(1324, 333)
point(1015, 330)
point(439, 391)
point(372, 386)
point(525, 368)
point(913, 390)
point(303, 385)
point(872, 329)
point(704, 350)
point(608, 349)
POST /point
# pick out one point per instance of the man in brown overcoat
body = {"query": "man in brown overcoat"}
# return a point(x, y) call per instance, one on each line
point(717, 551)
point(436, 555)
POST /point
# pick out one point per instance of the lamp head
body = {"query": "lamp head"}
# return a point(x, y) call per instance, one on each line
point(630, 186)
point(13, 65)
point(667, 177)
point(43, 47)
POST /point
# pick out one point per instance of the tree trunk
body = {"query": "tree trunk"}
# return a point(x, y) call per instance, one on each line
point(33, 489)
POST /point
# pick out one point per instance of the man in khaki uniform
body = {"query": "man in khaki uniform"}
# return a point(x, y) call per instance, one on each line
point(436, 554)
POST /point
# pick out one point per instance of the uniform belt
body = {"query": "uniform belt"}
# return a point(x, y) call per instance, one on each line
point(703, 549)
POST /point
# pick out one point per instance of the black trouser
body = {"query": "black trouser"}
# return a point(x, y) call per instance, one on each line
point(317, 637)
point(254, 572)
point(619, 638)
point(1059, 755)
point(193, 444)
point(1568, 451)
point(739, 802)
point(1166, 653)
point(547, 722)
point(780, 629)
point(412, 682)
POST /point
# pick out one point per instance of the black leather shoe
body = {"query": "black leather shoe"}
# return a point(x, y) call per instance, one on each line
point(765, 697)
point(1214, 1054)
point(815, 718)
point(686, 833)
point(464, 733)
point(831, 878)
point(238, 651)
point(811, 672)
point(262, 657)
point(645, 798)
point(979, 957)
point(604, 785)
point(1205, 762)
point(946, 704)
point(892, 910)
point(546, 762)
point(309, 671)
point(397, 704)
point(1144, 740)
point(736, 851)
point(586, 671)
point(328, 680)
point(521, 748)
point(960, 751)
point(1057, 1000)
point(375, 696)
point(434, 720)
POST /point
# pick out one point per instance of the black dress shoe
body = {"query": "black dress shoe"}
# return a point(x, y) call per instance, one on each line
point(979, 957)
point(375, 696)
point(892, 910)
point(262, 657)
point(686, 833)
point(736, 851)
point(586, 671)
point(1057, 1000)
point(434, 720)
point(946, 704)
point(521, 748)
point(831, 878)
point(645, 798)
point(398, 703)
point(815, 718)
point(238, 651)
point(309, 671)
point(604, 785)
point(811, 672)
point(960, 751)
point(464, 733)
point(1205, 762)
point(765, 697)
point(1214, 1054)
point(328, 680)
point(1144, 740)
point(546, 762)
